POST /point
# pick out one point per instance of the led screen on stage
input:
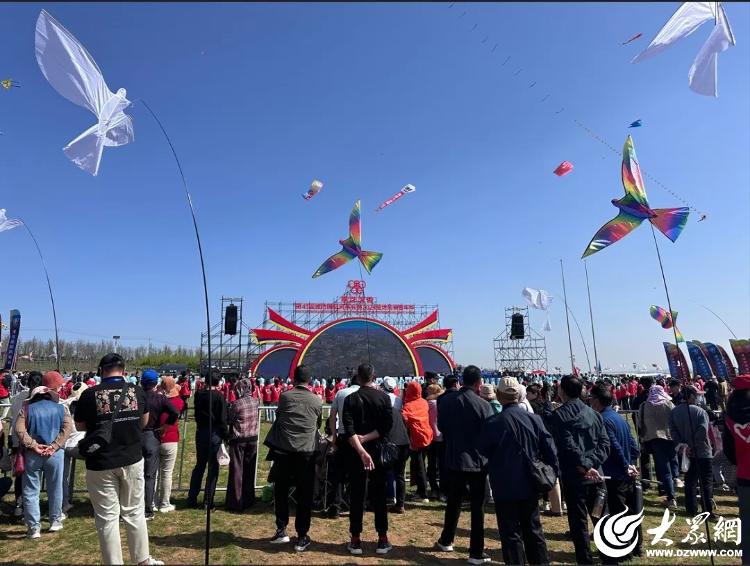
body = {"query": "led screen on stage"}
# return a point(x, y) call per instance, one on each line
point(276, 364)
point(344, 346)
point(432, 360)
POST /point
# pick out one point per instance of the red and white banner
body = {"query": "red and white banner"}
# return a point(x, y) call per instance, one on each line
point(406, 190)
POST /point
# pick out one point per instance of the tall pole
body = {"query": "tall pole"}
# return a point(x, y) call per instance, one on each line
point(567, 318)
point(591, 316)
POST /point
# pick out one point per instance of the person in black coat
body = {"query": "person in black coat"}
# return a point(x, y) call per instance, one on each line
point(509, 440)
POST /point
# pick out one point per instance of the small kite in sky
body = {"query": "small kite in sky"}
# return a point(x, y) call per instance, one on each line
point(637, 124)
point(8, 84)
point(667, 320)
point(703, 74)
point(314, 189)
point(351, 248)
point(563, 169)
point(634, 208)
point(74, 74)
point(703, 217)
point(632, 39)
point(7, 223)
point(405, 191)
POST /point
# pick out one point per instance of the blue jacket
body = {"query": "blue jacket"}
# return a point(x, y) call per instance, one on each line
point(508, 469)
point(623, 449)
point(45, 420)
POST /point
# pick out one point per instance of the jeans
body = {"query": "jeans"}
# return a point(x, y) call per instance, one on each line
point(359, 487)
point(399, 473)
point(119, 493)
point(417, 470)
point(458, 481)
point(664, 452)
point(52, 466)
point(699, 474)
point(206, 449)
point(743, 493)
point(579, 498)
point(241, 484)
point(167, 458)
point(521, 532)
point(298, 471)
point(151, 446)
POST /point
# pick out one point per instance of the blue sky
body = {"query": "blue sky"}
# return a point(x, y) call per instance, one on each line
point(261, 99)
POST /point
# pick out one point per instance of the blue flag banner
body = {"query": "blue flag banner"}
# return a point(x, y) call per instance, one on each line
point(15, 328)
point(728, 363)
point(678, 368)
point(716, 360)
point(700, 363)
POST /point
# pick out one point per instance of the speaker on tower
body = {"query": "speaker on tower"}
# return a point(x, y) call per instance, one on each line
point(230, 320)
point(516, 327)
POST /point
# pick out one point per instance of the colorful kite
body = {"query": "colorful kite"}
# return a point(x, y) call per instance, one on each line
point(687, 19)
point(8, 84)
point(351, 248)
point(632, 39)
point(637, 124)
point(539, 299)
point(314, 189)
point(667, 320)
point(563, 169)
point(405, 191)
point(634, 208)
point(73, 73)
point(8, 223)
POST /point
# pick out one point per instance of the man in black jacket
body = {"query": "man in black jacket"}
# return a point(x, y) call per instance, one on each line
point(582, 446)
point(510, 440)
point(461, 416)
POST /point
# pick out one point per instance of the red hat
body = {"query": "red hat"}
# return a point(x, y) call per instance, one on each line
point(53, 380)
point(741, 382)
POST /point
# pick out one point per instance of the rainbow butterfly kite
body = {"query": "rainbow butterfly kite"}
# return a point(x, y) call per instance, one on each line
point(634, 208)
point(351, 248)
point(666, 319)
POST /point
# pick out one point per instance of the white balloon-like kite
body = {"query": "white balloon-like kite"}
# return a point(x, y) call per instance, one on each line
point(539, 299)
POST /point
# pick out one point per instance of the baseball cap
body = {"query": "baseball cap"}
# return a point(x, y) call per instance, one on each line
point(149, 376)
point(509, 389)
point(389, 384)
point(52, 379)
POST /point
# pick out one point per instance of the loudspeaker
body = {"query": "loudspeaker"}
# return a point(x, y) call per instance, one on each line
point(230, 320)
point(516, 326)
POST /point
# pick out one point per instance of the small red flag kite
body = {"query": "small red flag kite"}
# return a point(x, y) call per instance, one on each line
point(563, 169)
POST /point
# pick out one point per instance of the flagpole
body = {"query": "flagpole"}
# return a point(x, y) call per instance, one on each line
point(51, 296)
point(567, 318)
point(591, 316)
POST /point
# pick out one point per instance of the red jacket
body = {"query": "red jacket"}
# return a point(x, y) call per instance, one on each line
point(416, 413)
point(267, 393)
point(172, 434)
point(737, 434)
point(330, 393)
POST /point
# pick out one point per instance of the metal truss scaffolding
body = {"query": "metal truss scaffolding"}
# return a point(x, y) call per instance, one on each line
point(526, 354)
point(227, 352)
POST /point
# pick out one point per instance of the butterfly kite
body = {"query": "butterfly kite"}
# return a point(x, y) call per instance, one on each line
point(539, 299)
point(7, 223)
point(8, 84)
point(563, 169)
point(351, 248)
point(314, 189)
point(667, 320)
point(73, 73)
point(702, 77)
point(404, 191)
point(634, 208)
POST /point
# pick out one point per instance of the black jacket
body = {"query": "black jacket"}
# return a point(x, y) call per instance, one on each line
point(460, 419)
point(581, 439)
point(503, 438)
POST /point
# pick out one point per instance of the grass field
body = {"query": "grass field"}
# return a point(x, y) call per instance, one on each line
point(178, 537)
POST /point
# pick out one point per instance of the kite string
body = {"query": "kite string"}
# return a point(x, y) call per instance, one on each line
point(205, 296)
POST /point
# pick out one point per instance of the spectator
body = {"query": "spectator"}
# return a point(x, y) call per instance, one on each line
point(114, 472)
point(487, 392)
point(723, 393)
point(675, 392)
point(416, 413)
point(367, 417)
point(654, 416)
point(516, 499)
point(211, 428)
point(400, 437)
point(292, 441)
point(712, 393)
point(644, 384)
point(169, 439)
point(71, 445)
point(184, 383)
point(341, 445)
point(244, 428)
point(436, 451)
point(33, 380)
point(582, 447)
point(430, 378)
point(460, 418)
point(42, 427)
point(688, 424)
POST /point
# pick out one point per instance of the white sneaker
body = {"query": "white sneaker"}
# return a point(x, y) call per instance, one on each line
point(167, 509)
point(56, 526)
point(444, 547)
point(34, 532)
point(678, 483)
point(153, 561)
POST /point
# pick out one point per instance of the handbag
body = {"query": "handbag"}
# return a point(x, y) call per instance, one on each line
point(100, 437)
point(386, 453)
point(543, 476)
point(19, 463)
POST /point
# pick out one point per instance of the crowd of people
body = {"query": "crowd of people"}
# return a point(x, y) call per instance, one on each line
point(527, 447)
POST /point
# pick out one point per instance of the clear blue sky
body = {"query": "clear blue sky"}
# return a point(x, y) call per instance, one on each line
point(261, 99)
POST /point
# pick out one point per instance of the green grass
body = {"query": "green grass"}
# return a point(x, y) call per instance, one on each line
point(178, 537)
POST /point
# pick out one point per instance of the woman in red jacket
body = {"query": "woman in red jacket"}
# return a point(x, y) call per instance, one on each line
point(416, 413)
point(170, 440)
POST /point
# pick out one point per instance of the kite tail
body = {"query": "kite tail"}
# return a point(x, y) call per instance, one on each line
point(670, 221)
point(370, 260)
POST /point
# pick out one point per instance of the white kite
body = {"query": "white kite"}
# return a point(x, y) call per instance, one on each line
point(73, 73)
point(687, 19)
point(8, 223)
point(539, 299)
point(405, 191)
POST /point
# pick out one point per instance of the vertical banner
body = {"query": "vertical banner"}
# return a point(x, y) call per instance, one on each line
point(700, 363)
point(15, 328)
point(741, 350)
point(727, 362)
point(678, 368)
point(716, 360)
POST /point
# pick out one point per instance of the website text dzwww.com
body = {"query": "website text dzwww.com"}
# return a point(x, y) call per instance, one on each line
point(693, 552)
